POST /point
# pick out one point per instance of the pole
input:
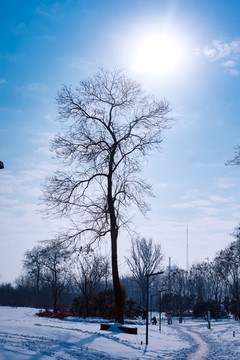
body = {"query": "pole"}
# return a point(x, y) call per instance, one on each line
point(147, 276)
point(151, 296)
point(209, 320)
point(160, 310)
point(187, 262)
point(151, 304)
point(147, 313)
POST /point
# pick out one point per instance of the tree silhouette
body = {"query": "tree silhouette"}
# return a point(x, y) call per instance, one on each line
point(109, 124)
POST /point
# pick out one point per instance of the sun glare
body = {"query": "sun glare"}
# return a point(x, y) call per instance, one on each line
point(157, 54)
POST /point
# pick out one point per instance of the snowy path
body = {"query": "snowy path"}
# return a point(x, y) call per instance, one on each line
point(216, 343)
point(203, 348)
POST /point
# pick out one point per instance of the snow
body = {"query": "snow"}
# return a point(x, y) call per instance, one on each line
point(24, 336)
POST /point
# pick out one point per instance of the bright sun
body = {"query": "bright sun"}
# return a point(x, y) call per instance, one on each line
point(158, 54)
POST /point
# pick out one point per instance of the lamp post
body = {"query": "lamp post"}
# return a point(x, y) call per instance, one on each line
point(160, 307)
point(151, 296)
point(147, 276)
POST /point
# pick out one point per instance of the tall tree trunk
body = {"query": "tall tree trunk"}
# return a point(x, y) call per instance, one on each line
point(116, 282)
point(114, 236)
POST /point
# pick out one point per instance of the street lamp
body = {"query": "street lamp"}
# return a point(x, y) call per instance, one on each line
point(147, 276)
point(1, 165)
point(160, 307)
point(151, 304)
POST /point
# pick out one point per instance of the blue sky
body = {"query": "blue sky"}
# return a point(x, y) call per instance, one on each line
point(44, 44)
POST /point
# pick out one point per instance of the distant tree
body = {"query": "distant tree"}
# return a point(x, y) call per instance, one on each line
point(201, 308)
point(206, 281)
point(24, 291)
point(88, 271)
point(109, 125)
point(132, 288)
point(33, 265)
point(7, 294)
point(145, 258)
point(55, 270)
point(176, 281)
point(216, 287)
point(227, 264)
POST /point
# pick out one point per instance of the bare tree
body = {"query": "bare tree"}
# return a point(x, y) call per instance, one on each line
point(227, 264)
point(236, 159)
point(55, 270)
point(146, 258)
point(109, 125)
point(175, 280)
point(33, 265)
point(89, 270)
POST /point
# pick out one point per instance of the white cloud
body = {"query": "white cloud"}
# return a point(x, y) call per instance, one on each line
point(226, 185)
point(211, 53)
point(3, 81)
point(221, 199)
point(43, 142)
point(79, 63)
point(55, 10)
point(206, 205)
point(161, 186)
point(222, 50)
point(49, 118)
point(234, 72)
point(226, 52)
point(202, 207)
point(228, 63)
point(236, 215)
point(194, 204)
point(19, 29)
point(34, 89)
point(37, 87)
point(42, 12)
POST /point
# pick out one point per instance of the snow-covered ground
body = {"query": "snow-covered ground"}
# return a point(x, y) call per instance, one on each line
point(23, 335)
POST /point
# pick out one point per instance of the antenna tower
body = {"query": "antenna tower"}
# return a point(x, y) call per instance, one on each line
point(187, 262)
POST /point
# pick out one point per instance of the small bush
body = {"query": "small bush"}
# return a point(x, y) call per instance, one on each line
point(199, 309)
point(45, 313)
point(131, 309)
point(77, 306)
point(60, 313)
